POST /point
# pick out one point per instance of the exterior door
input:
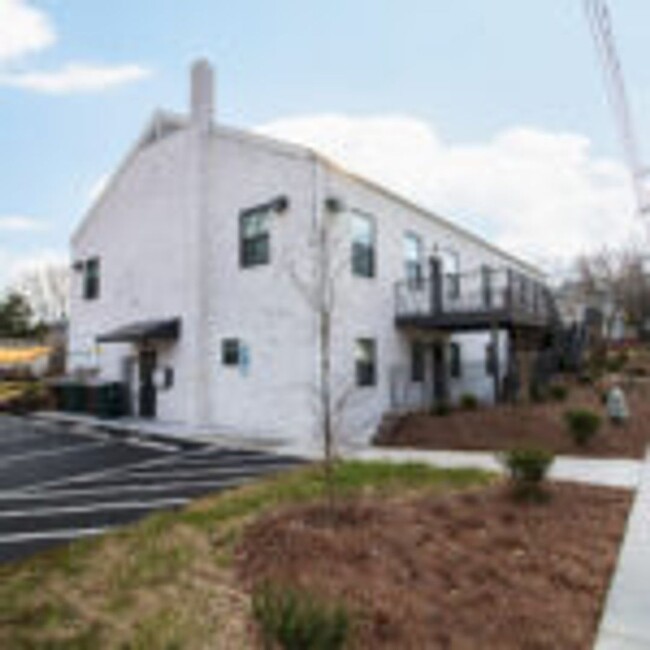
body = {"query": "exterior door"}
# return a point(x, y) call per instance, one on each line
point(147, 389)
point(440, 392)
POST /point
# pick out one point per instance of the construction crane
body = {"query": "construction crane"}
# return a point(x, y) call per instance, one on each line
point(600, 23)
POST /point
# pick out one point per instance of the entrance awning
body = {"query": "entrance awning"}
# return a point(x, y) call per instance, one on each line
point(152, 330)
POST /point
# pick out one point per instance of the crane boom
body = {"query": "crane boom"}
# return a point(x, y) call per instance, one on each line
point(600, 23)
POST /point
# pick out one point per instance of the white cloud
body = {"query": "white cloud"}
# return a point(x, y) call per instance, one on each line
point(540, 194)
point(23, 29)
point(75, 77)
point(20, 223)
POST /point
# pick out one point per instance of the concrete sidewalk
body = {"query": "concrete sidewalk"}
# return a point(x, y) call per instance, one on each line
point(625, 473)
point(625, 624)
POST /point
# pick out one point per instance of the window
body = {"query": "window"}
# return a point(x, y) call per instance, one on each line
point(450, 261)
point(230, 352)
point(413, 259)
point(254, 242)
point(490, 359)
point(417, 361)
point(455, 361)
point(363, 246)
point(366, 362)
point(91, 279)
point(486, 285)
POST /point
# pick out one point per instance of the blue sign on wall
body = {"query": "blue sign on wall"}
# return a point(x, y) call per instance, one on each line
point(244, 359)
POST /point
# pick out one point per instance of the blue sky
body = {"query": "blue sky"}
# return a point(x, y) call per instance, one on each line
point(472, 72)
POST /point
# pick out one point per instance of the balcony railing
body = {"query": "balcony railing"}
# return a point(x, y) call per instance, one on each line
point(474, 299)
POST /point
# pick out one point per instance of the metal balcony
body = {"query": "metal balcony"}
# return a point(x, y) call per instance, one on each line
point(475, 300)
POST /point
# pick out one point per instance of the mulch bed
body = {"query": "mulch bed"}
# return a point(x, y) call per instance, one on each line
point(463, 571)
point(542, 425)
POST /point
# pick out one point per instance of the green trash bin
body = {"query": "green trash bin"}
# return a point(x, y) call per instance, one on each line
point(109, 400)
point(78, 398)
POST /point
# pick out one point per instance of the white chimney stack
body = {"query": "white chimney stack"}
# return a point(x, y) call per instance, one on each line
point(202, 94)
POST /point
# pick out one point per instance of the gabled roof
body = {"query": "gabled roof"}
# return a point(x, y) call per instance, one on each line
point(160, 125)
point(163, 123)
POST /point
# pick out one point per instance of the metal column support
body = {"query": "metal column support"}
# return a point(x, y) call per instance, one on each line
point(436, 285)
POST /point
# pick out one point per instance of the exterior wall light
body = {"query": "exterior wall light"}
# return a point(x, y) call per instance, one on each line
point(334, 204)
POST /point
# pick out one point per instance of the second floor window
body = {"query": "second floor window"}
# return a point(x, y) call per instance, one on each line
point(450, 261)
point(363, 246)
point(455, 361)
point(413, 259)
point(91, 279)
point(254, 238)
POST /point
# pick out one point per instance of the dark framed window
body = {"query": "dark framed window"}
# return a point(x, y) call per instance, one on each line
point(91, 279)
point(490, 359)
point(486, 285)
point(450, 261)
point(418, 356)
point(230, 352)
point(363, 245)
point(365, 358)
point(455, 361)
point(254, 237)
point(413, 250)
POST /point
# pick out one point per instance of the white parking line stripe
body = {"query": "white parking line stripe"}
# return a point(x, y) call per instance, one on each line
point(73, 533)
point(117, 489)
point(162, 474)
point(96, 507)
point(115, 471)
point(8, 460)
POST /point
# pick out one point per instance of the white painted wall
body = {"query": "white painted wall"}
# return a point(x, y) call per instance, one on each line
point(146, 229)
point(366, 306)
point(137, 229)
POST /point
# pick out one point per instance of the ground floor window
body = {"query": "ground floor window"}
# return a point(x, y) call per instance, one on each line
point(230, 352)
point(455, 361)
point(366, 362)
point(490, 359)
point(417, 361)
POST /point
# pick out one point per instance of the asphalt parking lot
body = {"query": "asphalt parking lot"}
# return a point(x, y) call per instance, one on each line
point(57, 485)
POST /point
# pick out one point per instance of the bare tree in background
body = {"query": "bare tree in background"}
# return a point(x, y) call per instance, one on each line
point(46, 289)
point(617, 279)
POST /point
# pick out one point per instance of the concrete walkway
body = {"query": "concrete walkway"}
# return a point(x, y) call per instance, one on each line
point(608, 472)
point(615, 472)
point(625, 624)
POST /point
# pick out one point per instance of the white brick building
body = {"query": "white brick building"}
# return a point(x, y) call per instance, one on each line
point(199, 274)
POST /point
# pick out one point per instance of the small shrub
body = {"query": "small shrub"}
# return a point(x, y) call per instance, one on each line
point(637, 371)
point(469, 402)
point(538, 394)
point(527, 469)
point(617, 362)
point(441, 409)
point(583, 425)
point(558, 392)
point(294, 620)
